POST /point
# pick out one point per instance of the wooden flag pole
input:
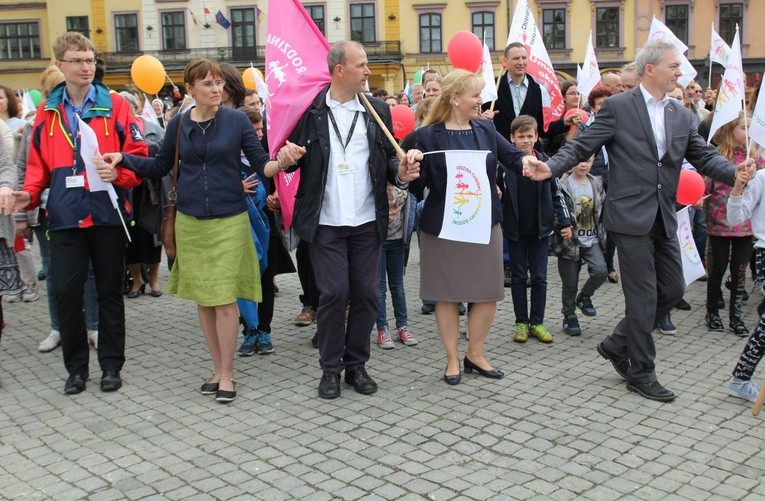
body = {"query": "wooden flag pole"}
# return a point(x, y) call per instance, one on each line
point(399, 152)
point(499, 78)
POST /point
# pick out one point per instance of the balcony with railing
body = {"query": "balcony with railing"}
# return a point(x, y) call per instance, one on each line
point(176, 60)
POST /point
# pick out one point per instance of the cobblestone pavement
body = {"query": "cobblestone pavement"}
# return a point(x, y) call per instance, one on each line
point(560, 425)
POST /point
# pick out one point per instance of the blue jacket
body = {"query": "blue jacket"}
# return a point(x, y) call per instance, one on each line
point(210, 188)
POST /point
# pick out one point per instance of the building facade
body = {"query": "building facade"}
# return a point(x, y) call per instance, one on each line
point(401, 37)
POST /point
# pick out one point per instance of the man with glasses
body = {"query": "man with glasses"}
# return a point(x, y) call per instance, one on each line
point(84, 226)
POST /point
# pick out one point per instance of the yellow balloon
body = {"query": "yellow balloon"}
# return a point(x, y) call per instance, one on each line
point(249, 76)
point(148, 74)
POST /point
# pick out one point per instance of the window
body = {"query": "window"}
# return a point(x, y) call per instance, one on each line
point(363, 22)
point(317, 14)
point(20, 40)
point(483, 25)
point(243, 33)
point(78, 24)
point(126, 30)
point(173, 30)
point(730, 15)
point(607, 27)
point(676, 19)
point(554, 28)
point(430, 33)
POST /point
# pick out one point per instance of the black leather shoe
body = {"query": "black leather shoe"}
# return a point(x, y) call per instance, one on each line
point(209, 388)
point(683, 305)
point(492, 373)
point(652, 391)
point(329, 386)
point(428, 308)
point(452, 379)
point(359, 379)
point(226, 396)
point(621, 365)
point(111, 381)
point(75, 384)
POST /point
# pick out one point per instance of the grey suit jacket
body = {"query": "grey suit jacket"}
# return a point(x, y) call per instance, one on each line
point(640, 184)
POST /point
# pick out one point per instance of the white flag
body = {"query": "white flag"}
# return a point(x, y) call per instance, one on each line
point(757, 128)
point(489, 92)
point(730, 97)
point(88, 151)
point(524, 29)
point(467, 204)
point(578, 72)
point(148, 111)
point(27, 105)
point(719, 50)
point(659, 31)
point(693, 268)
point(590, 74)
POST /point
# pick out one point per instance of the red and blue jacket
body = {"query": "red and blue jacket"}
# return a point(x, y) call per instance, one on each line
point(53, 157)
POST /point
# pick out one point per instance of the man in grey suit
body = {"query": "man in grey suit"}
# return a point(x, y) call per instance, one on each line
point(646, 136)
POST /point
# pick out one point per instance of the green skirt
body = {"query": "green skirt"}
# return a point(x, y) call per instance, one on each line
point(216, 261)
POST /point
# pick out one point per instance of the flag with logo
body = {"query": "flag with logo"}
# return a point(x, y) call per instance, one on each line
point(757, 129)
point(88, 151)
point(730, 97)
point(659, 31)
point(590, 74)
point(719, 50)
point(467, 204)
point(296, 70)
point(489, 92)
point(221, 19)
point(693, 268)
point(524, 29)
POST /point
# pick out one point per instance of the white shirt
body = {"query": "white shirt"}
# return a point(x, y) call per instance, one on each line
point(518, 93)
point(656, 114)
point(348, 196)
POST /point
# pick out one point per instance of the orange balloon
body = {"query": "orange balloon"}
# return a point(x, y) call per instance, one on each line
point(148, 74)
point(250, 76)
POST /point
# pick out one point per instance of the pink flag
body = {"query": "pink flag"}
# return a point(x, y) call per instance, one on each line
point(296, 70)
point(524, 29)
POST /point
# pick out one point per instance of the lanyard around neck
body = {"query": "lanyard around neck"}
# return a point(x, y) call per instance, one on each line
point(337, 130)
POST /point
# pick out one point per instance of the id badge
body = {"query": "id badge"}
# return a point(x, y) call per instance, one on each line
point(75, 181)
point(345, 168)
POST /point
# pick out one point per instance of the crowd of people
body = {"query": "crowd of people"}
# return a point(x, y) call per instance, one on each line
point(597, 183)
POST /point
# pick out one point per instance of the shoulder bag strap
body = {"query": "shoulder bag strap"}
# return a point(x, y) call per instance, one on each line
point(172, 196)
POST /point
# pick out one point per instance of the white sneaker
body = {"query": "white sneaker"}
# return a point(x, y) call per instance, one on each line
point(13, 298)
point(31, 294)
point(50, 343)
point(747, 390)
point(93, 339)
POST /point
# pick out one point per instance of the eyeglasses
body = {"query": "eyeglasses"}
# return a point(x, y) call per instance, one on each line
point(209, 84)
point(79, 62)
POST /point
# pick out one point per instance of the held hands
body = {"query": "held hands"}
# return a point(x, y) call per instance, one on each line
point(535, 169)
point(12, 201)
point(573, 119)
point(107, 166)
point(566, 233)
point(289, 155)
point(272, 202)
point(409, 166)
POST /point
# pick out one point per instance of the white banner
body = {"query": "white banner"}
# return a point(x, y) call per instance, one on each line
point(730, 97)
point(659, 31)
point(489, 92)
point(467, 204)
point(719, 50)
point(589, 77)
point(693, 268)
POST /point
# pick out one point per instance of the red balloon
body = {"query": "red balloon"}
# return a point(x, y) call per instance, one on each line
point(577, 111)
point(403, 121)
point(465, 51)
point(690, 188)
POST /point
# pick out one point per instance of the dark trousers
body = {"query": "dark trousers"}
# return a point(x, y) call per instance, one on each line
point(725, 251)
point(266, 305)
point(610, 251)
point(528, 257)
point(310, 295)
point(346, 262)
point(71, 252)
point(652, 281)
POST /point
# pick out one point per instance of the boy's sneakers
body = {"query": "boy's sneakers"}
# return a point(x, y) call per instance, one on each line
point(738, 328)
point(713, 322)
point(384, 340)
point(540, 332)
point(585, 304)
point(264, 343)
point(743, 389)
point(406, 337)
point(247, 348)
point(571, 325)
point(31, 294)
point(521, 333)
point(50, 343)
point(666, 326)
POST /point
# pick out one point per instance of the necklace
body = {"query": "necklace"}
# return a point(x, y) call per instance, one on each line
point(204, 129)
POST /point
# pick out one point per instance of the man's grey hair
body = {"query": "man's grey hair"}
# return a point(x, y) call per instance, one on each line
point(337, 52)
point(132, 101)
point(652, 54)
